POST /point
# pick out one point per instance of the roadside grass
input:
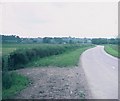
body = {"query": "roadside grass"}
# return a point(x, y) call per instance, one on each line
point(112, 50)
point(19, 82)
point(15, 83)
point(69, 58)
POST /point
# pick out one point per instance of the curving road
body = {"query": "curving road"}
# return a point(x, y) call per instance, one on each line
point(101, 70)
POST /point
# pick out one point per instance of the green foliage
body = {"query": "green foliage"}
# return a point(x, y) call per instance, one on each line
point(105, 41)
point(67, 59)
point(18, 58)
point(6, 80)
point(113, 41)
point(12, 83)
point(58, 40)
point(10, 39)
point(113, 50)
point(47, 40)
point(99, 41)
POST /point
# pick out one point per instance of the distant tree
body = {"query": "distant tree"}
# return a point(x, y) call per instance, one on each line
point(47, 40)
point(99, 41)
point(112, 41)
point(71, 42)
point(58, 40)
point(11, 38)
point(85, 40)
point(18, 39)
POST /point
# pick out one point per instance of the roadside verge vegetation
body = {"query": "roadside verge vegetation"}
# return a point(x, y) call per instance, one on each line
point(12, 83)
point(45, 55)
point(19, 58)
point(67, 59)
point(113, 50)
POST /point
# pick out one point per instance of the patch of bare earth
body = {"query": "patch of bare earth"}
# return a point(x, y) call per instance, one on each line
point(55, 83)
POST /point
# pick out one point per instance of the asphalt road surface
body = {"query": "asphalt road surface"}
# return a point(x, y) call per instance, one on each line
point(101, 70)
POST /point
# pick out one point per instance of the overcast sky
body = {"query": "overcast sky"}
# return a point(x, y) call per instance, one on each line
point(80, 19)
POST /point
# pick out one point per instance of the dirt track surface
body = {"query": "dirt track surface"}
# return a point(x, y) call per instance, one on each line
point(55, 83)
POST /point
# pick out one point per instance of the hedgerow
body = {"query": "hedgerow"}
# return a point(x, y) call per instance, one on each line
point(19, 58)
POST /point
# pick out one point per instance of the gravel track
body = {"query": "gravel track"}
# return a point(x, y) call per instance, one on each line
point(55, 83)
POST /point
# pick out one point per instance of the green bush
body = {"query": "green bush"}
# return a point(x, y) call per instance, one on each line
point(6, 80)
point(12, 83)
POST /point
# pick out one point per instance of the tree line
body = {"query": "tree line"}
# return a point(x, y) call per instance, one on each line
point(59, 40)
point(105, 41)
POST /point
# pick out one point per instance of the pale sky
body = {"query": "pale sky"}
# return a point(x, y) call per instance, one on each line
point(60, 19)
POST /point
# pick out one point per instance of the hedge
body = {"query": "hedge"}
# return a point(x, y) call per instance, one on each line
point(19, 58)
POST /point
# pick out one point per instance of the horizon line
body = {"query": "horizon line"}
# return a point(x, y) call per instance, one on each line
point(55, 36)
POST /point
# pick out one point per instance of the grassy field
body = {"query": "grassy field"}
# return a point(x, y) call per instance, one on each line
point(19, 82)
point(113, 50)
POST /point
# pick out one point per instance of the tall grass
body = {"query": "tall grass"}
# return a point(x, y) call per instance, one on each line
point(12, 83)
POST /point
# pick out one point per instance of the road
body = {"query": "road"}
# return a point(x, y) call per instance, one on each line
point(101, 70)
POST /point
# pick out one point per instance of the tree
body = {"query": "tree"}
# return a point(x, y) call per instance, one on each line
point(58, 40)
point(47, 40)
point(99, 41)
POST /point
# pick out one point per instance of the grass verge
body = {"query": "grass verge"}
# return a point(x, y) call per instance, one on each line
point(19, 82)
point(66, 59)
point(15, 82)
point(112, 50)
